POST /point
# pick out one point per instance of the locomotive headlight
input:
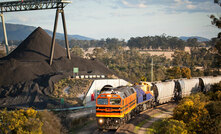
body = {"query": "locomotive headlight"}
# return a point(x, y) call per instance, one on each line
point(100, 120)
point(117, 121)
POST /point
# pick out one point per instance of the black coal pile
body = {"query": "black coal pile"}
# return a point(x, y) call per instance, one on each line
point(26, 78)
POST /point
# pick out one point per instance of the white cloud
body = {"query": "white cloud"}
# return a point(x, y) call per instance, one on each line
point(141, 5)
point(23, 19)
point(191, 6)
point(178, 1)
point(133, 4)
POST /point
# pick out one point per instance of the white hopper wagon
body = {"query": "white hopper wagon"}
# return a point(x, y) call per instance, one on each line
point(164, 91)
point(206, 82)
point(188, 86)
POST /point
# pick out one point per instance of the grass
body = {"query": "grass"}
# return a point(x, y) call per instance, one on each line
point(147, 120)
point(141, 124)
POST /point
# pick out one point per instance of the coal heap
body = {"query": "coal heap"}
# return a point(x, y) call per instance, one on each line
point(27, 78)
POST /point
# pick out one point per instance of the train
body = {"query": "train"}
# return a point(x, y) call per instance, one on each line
point(115, 106)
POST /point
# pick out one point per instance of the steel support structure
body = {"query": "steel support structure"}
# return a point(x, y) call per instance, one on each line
point(54, 34)
point(5, 34)
point(27, 5)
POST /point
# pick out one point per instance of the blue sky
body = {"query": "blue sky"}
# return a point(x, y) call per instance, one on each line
point(123, 19)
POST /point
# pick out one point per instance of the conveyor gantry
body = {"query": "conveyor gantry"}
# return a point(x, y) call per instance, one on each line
point(28, 5)
point(19, 5)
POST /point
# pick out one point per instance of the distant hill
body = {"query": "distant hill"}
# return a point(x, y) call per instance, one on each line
point(200, 39)
point(21, 32)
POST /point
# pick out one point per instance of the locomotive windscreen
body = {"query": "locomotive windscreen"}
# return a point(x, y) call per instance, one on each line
point(115, 101)
point(102, 101)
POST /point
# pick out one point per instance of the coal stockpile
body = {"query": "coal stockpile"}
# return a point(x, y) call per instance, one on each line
point(26, 78)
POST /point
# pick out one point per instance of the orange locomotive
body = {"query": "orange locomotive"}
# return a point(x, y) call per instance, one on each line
point(115, 106)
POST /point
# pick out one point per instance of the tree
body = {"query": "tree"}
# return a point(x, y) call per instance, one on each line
point(192, 42)
point(186, 72)
point(20, 121)
point(169, 126)
point(214, 109)
point(192, 112)
point(174, 73)
point(181, 58)
point(217, 22)
point(77, 51)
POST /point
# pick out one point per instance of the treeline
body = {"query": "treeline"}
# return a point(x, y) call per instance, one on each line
point(133, 65)
point(108, 43)
point(155, 42)
point(149, 42)
point(206, 59)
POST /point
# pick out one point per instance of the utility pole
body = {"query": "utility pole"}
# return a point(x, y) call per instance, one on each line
point(151, 70)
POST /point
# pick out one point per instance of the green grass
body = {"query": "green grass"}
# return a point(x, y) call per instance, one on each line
point(141, 124)
point(149, 130)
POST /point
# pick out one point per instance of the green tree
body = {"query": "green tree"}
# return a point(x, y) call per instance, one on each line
point(214, 109)
point(20, 122)
point(217, 22)
point(192, 112)
point(169, 126)
point(77, 51)
point(181, 58)
point(192, 42)
point(174, 73)
point(186, 72)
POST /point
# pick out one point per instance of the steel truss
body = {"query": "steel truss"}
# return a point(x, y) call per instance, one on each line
point(26, 5)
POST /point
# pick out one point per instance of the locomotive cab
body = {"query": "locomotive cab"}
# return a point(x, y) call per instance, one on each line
point(113, 105)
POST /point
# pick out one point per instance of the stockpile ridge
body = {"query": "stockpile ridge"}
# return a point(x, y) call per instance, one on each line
point(27, 78)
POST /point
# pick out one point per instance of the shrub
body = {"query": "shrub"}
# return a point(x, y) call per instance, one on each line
point(215, 93)
point(169, 126)
point(214, 109)
point(216, 87)
point(192, 112)
point(20, 121)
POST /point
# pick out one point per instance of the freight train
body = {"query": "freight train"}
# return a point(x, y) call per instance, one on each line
point(115, 106)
